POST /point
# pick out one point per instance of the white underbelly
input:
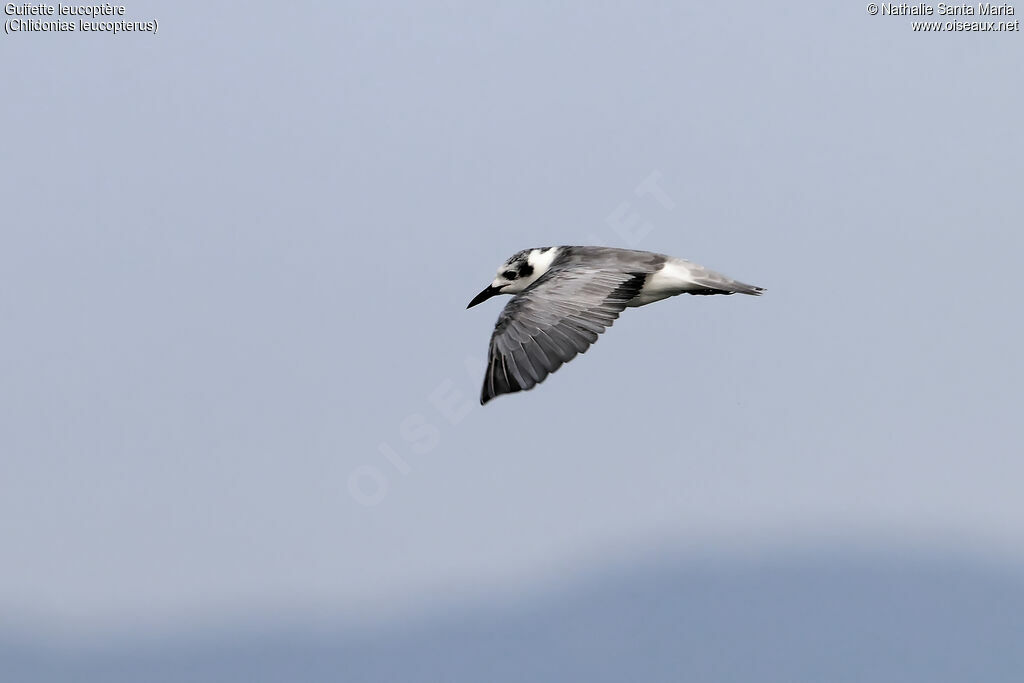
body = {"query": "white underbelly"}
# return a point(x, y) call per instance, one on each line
point(673, 278)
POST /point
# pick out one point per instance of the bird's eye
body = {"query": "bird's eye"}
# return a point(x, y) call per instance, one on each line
point(509, 275)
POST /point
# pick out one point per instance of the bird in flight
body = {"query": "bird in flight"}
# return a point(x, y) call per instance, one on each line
point(565, 296)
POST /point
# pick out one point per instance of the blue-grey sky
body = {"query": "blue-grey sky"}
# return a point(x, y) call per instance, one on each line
point(236, 257)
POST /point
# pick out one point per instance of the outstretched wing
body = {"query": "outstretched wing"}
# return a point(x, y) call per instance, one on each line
point(552, 321)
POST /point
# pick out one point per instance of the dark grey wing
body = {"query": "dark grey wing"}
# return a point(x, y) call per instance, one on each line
point(552, 321)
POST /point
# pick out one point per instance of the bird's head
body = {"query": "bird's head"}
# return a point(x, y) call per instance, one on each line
point(518, 272)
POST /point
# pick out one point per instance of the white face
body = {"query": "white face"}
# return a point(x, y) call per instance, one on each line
point(514, 276)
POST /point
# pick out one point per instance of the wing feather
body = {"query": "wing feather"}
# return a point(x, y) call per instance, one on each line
point(553, 321)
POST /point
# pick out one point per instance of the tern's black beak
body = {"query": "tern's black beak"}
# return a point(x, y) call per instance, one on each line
point(484, 295)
